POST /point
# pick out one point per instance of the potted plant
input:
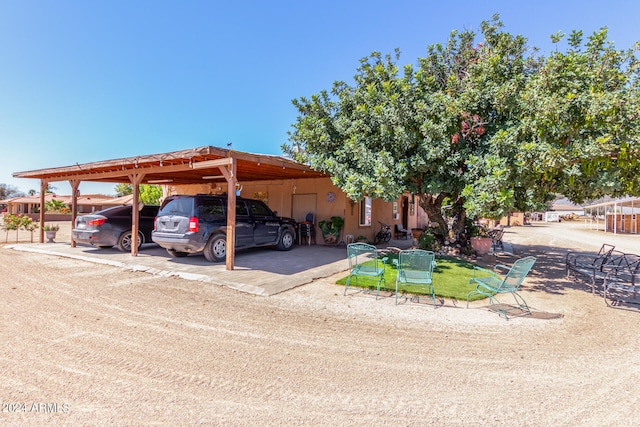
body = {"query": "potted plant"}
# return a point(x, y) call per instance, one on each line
point(361, 238)
point(330, 229)
point(480, 239)
point(50, 231)
point(417, 232)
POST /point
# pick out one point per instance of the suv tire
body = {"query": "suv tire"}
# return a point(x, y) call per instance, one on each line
point(286, 240)
point(216, 248)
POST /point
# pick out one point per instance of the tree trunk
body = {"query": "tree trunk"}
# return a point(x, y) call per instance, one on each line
point(432, 205)
point(459, 215)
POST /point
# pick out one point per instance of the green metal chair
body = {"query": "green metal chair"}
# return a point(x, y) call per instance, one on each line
point(415, 269)
point(365, 261)
point(491, 284)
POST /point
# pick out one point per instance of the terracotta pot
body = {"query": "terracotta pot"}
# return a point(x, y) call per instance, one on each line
point(416, 232)
point(330, 239)
point(481, 245)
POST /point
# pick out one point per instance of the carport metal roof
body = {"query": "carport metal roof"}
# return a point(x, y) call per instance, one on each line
point(193, 166)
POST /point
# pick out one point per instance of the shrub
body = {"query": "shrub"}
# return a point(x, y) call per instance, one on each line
point(428, 241)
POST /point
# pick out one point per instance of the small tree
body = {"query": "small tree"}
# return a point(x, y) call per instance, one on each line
point(16, 223)
point(29, 225)
point(149, 194)
point(10, 223)
point(123, 189)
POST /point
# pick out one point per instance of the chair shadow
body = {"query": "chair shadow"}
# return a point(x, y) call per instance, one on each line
point(549, 272)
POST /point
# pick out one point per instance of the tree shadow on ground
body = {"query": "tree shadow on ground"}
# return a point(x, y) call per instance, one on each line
point(548, 273)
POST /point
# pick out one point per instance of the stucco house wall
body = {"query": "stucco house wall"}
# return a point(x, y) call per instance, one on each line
point(296, 198)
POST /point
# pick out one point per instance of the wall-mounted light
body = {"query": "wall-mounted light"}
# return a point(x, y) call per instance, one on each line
point(213, 177)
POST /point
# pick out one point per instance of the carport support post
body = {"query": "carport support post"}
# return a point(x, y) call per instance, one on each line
point(74, 206)
point(43, 187)
point(230, 176)
point(135, 179)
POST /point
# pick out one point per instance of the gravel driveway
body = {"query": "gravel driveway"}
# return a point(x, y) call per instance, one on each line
point(87, 344)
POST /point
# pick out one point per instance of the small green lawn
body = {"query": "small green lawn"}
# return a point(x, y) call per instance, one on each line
point(450, 279)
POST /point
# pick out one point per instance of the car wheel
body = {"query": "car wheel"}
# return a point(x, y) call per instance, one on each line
point(216, 248)
point(125, 240)
point(177, 254)
point(286, 240)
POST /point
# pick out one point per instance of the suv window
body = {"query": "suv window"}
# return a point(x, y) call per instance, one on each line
point(179, 206)
point(241, 209)
point(258, 209)
point(211, 208)
point(150, 211)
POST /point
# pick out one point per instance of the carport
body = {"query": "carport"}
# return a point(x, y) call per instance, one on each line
point(619, 215)
point(193, 166)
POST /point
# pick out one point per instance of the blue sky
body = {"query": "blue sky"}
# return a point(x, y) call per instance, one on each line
point(85, 81)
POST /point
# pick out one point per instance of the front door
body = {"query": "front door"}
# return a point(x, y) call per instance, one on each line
point(405, 212)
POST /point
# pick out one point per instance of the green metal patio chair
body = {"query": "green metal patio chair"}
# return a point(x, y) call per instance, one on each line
point(365, 261)
point(415, 270)
point(491, 284)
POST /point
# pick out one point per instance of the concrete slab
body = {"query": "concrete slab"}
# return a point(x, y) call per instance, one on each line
point(261, 271)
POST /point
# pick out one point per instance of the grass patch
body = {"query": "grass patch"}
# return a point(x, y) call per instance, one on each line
point(450, 279)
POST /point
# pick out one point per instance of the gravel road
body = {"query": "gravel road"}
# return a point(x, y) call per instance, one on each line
point(87, 344)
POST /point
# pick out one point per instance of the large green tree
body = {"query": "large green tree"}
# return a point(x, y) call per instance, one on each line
point(579, 133)
point(470, 126)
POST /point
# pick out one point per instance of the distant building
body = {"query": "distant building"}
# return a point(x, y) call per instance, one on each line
point(621, 215)
point(30, 205)
point(562, 207)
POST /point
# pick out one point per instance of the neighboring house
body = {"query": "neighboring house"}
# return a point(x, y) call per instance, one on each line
point(30, 205)
point(514, 218)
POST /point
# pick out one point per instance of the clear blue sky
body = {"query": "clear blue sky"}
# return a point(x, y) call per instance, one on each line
point(84, 81)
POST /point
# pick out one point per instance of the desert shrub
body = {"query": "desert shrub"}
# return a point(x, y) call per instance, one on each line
point(428, 241)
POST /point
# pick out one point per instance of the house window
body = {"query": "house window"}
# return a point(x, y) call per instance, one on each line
point(365, 211)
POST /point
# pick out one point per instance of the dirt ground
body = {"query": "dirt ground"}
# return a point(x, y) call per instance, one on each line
point(87, 344)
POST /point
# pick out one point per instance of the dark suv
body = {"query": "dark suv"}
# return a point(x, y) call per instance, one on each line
point(188, 224)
